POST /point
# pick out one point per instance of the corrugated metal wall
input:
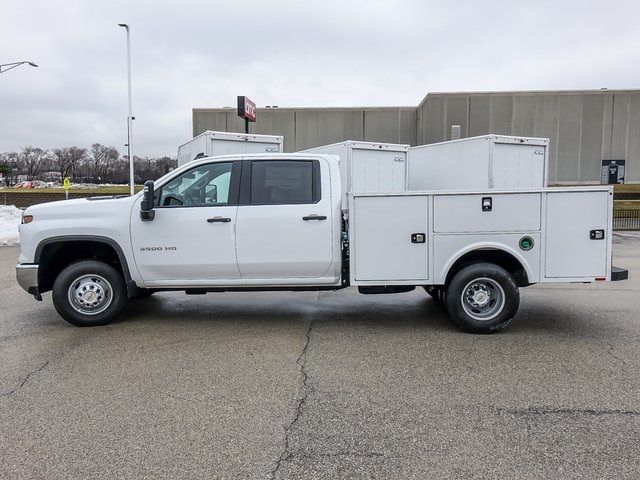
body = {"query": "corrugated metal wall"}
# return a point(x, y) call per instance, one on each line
point(584, 126)
point(306, 128)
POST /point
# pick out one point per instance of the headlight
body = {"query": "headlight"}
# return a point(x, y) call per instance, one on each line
point(27, 219)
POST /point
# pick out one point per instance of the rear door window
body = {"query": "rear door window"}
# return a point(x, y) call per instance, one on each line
point(281, 182)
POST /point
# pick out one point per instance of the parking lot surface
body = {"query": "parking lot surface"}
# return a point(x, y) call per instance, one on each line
point(329, 385)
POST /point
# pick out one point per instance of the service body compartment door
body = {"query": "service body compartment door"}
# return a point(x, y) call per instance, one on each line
point(570, 250)
point(389, 238)
point(377, 171)
point(234, 147)
point(507, 212)
point(518, 166)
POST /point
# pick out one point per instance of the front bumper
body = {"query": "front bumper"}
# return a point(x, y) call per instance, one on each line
point(27, 276)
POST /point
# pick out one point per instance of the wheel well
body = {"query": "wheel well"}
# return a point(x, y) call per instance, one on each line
point(498, 257)
point(56, 256)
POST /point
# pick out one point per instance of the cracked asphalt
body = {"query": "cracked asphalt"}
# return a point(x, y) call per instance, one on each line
point(329, 385)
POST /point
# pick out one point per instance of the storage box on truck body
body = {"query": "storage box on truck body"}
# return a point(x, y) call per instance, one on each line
point(368, 167)
point(486, 162)
point(210, 143)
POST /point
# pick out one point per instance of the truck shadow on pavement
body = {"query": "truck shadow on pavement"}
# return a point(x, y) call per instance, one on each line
point(414, 310)
point(403, 311)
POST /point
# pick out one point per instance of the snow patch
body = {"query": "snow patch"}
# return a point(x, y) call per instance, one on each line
point(10, 218)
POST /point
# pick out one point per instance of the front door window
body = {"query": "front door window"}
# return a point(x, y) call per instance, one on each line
point(203, 186)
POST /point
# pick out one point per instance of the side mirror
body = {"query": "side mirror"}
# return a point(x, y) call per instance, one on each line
point(148, 199)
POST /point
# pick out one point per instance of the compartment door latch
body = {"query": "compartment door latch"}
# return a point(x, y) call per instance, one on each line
point(418, 238)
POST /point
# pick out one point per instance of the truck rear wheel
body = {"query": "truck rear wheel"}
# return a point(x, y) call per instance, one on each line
point(482, 298)
point(89, 293)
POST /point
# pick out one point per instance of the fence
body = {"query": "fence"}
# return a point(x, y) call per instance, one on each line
point(626, 219)
point(24, 199)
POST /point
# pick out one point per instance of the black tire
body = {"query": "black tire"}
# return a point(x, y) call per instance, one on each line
point(493, 288)
point(91, 281)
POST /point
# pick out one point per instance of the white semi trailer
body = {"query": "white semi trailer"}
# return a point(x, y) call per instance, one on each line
point(212, 143)
point(279, 222)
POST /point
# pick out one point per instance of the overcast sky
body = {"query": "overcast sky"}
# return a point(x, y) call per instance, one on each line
point(287, 53)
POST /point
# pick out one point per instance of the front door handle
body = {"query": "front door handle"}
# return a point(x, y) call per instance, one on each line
point(315, 217)
point(218, 220)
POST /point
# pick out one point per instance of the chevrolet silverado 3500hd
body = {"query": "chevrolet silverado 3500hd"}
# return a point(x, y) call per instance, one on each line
point(279, 222)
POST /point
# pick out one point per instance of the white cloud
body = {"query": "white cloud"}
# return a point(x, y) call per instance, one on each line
point(288, 53)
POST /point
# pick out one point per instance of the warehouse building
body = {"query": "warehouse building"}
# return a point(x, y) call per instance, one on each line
point(595, 134)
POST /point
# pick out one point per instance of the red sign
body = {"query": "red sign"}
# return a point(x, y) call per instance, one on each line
point(246, 109)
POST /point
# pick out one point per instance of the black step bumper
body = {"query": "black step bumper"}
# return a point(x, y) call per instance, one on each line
point(618, 274)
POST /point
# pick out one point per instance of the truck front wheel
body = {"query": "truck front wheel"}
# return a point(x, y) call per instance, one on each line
point(89, 293)
point(482, 298)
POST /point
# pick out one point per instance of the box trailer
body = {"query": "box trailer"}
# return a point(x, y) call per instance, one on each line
point(211, 143)
point(480, 163)
point(369, 166)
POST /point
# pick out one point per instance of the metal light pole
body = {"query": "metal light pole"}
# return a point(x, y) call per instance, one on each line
point(9, 66)
point(130, 117)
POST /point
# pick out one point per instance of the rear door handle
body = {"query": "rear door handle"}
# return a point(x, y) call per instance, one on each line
point(315, 217)
point(218, 220)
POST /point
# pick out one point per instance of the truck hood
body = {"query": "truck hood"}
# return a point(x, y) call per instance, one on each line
point(69, 209)
point(105, 217)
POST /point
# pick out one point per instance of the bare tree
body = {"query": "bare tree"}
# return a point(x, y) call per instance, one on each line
point(5, 170)
point(165, 164)
point(12, 159)
point(103, 161)
point(152, 168)
point(102, 164)
point(67, 159)
point(34, 160)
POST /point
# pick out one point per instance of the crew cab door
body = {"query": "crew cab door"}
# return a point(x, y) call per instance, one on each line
point(191, 239)
point(285, 225)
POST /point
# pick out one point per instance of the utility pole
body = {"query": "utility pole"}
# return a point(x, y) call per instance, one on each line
point(130, 117)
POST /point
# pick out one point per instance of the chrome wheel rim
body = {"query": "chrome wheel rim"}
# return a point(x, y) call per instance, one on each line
point(90, 294)
point(483, 299)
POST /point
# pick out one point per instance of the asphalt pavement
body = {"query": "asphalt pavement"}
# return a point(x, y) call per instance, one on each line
point(329, 385)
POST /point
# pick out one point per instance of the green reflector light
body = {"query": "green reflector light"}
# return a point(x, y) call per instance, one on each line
point(526, 243)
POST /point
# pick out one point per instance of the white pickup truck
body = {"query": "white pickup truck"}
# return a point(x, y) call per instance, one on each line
point(279, 222)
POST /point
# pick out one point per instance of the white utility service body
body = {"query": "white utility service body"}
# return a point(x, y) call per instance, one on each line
point(369, 166)
point(480, 163)
point(454, 224)
point(278, 221)
point(212, 144)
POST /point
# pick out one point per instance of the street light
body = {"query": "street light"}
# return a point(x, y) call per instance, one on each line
point(9, 66)
point(130, 117)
